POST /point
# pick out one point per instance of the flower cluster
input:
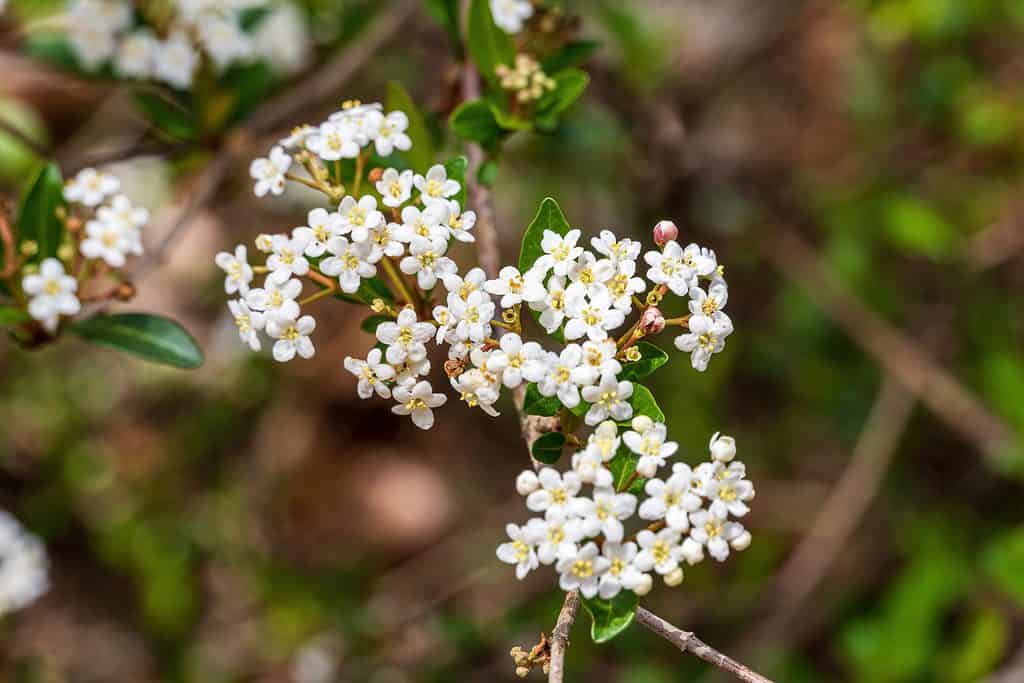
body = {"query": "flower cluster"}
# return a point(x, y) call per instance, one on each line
point(105, 234)
point(23, 566)
point(168, 42)
point(510, 15)
point(526, 80)
point(690, 511)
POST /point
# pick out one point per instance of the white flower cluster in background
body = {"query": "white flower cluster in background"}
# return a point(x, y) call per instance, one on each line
point(689, 511)
point(109, 236)
point(105, 32)
point(23, 566)
point(510, 15)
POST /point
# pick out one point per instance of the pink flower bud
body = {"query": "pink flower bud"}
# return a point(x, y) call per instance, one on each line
point(652, 321)
point(665, 232)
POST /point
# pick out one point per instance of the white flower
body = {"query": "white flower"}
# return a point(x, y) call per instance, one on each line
point(283, 39)
point(269, 173)
point(590, 315)
point(409, 371)
point(237, 268)
point(509, 15)
point(276, 301)
point(472, 315)
point(610, 398)
point(514, 288)
point(598, 360)
point(583, 570)
point(558, 535)
point(460, 222)
point(418, 401)
point(322, 225)
point(556, 491)
point(383, 241)
point(297, 138)
point(590, 272)
point(700, 260)
point(671, 500)
point(391, 134)
point(705, 338)
point(590, 466)
point(669, 268)
point(372, 374)
point(395, 188)
point(292, 337)
point(517, 361)
point(527, 482)
point(558, 380)
point(427, 261)
point(729, 492)
point(51, 294)
point(248, 322)
point(110, 241)
point(716, 534)
point(648, 441)
point(224, 40)
point(334, 141)
point(287, 258)
point(464, 286)
point(723, 448)
point(122, 212)
point(359, 217)
point(477, 390)
point(521, 549)
point(552, 306)
point(176, 61)
point(23, 566)
point(93, 44)
point(426, 224)
point(405, 337)
point(90, 187)
point(348, 262)
point(617, 251)
point(560, 252)
point(604, 441)
point(111, 16)
point(136, 54)
point(435, 186)
point(622, 286)
point(604, 513)
point(621, 572)
point(660, 552)
point(711, 302)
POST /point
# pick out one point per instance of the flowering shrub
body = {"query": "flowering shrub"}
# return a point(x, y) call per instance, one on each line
point(382, 241)
point(69, 245)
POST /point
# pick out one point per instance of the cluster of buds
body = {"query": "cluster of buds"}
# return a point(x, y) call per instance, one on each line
point(539, 656)
point(527, 82)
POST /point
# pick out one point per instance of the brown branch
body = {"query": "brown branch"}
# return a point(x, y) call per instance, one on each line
point(688, 642)
point(899, 355)
point(999, 242)
point(560, 636)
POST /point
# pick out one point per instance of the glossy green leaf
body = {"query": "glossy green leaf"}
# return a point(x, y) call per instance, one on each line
point(151, 337)
point(548, 447)
point(456, 170)
point(609, 618)
point(508, 121)
point(569, 86)
point(167, 116)
point(10, 316)
point(474, 120)
point(489, 46)
point(622, 467)
point(651, 358)
point(570, 55)
point(421, 156)
point(536, 404)
point(37, 212)
point(549, 217)
point(643, 403)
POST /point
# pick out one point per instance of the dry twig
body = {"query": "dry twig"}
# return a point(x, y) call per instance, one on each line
point(560, 636)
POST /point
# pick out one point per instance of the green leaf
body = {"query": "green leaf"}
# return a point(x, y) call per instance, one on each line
point(508, 121)
point(150, 337)
point(651, 358)
point(53, 48)
point(11, 316)
point(488, 173)
point(37, 213)
point(474, 120)
point(1003, 560)
point(536, 404)
point(421, 156)
point(489, 46)
point(248, 85)
point(569, 86)
point(549, 217)
point(610, 617)
point(622, 467)
point(371, 323)
point(643, 403)
point(571, 55)
point(548, 447)
point(167, 116)
point(456, 170)
point(918, 227)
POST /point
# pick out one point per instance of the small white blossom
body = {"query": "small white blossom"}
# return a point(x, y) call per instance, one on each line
point(715, 533)
point(556, 491)
point(590, 467)
point(391, 134)
point(560, 252)
point(418, 401)
point(111, 241)
point(90, 187)
point(460, 223)
point(321, 226)
point(705, 338)
point(623, 286)
point(292, 337)
point(671, 500)
point(514, 288)
point(558, 536)
point(527, 482)
point(669, 268)
point(427, 261)
point(287, 258)
point(51, 294)
point(517, 361)
point(723, 448)
point(383, 241)
point(436, 186)
point(660, 552)
point(276, 301)
point(359, 217)
point(604, 513)
point(610, 398)
point(122, 212)
point(598, 360)
point(552, 306)
point(521, 549)
point(615, 250)
point(472, 315)
point(395, 187)
point(648, 441)
point(604, 441)
point(248, 322)
point(223, 40)
point(621, 572)
point(558, 380)
point(334, 141)
point(590, 315)
point(237, 269)
point(464, 286)
point(269, 173)
point(700, 260)
point(711, 302)
point(509, 15)
point(176, 61)
point(583, 570)
point(477, 389)
point(428, 224)
point(729, 492)
point(405, 337)
point(372, 373)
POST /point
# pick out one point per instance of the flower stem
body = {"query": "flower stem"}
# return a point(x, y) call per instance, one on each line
point(360, 166)
point(316, 297)
point(397, 280)
point(308, 183)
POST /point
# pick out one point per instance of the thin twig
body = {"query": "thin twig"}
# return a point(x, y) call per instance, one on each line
point(560, 636)
point(688, 642)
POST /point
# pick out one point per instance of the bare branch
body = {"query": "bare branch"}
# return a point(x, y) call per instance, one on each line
point(688, 642)
point(560, 636)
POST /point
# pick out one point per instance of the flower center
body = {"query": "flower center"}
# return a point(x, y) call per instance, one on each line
point(357, 215)
point(727, 493)
point(405, 336)
point(617, 567)
point(661, 552)
point(562, 375)
point(672, 499)
point(275, 299)
point(559, 496)
point(709, 306)
point(522, 550)
point(415, 404)
point(707, 341)
point(583, 568)
point(287, 256)
point(243, 323)
point(291, 334)
point(556, 535)
point(713, 529)
point(515, 285)
point(350, 260)
point(560, 253)
point(395, 189)
point(433, 188)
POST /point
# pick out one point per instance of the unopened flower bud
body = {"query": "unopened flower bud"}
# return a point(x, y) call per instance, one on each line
point(633, 354)
point(65, 252)
point(643, 585)
point(125, 292)
point(641, 423)
point(74, 224)
point(376, 174)
point(741, 542)
point(723, 448)
point(264, 243)
point(652, 321)
point(665, 232)
point(378, 305)
point(693, 552)
point(527, 482)
point(647, 467)
point(29, 247)
point(674, 577)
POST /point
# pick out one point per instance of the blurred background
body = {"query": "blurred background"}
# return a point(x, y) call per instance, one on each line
point(858, 165)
